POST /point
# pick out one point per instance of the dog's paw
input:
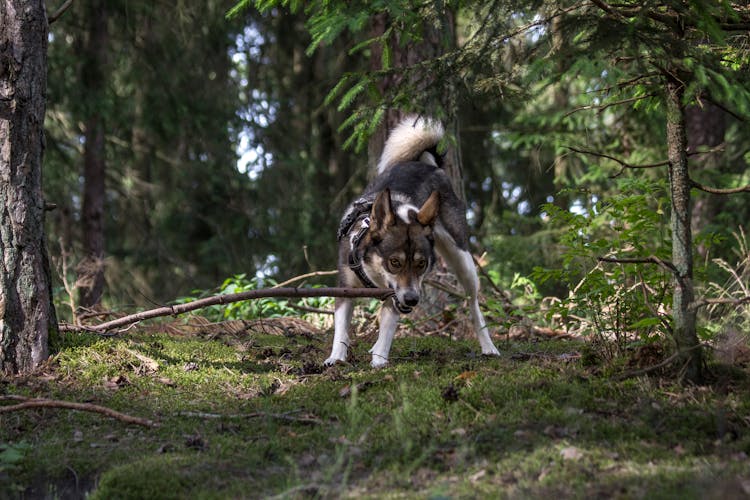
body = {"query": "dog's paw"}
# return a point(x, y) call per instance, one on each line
point(490, 351)
point(333, 361)
point(379, 362)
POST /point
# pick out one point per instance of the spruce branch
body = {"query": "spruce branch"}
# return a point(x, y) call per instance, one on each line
point(712, 190)
point(617, 160)
point(602, 107)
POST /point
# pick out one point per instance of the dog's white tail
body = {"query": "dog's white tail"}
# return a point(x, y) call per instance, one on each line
point(410, 140)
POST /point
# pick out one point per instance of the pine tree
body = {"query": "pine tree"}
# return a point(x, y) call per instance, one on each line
point(27, 316)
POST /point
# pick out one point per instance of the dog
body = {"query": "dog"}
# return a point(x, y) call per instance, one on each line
point(389, 237)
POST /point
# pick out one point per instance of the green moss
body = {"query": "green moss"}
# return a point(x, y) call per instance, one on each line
point(257, 416)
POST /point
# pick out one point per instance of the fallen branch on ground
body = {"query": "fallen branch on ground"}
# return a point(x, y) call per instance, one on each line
point(378, 293)
point(305, 418)
point(26, 403)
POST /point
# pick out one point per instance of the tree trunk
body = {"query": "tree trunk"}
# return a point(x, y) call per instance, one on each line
point(91, 268)
point(27, 315)
point(437, 41)
point(684, 318)
point(706, 126)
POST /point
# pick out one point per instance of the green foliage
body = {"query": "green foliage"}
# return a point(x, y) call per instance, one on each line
point(300, 84)
point(623, 300)
point(264, 307)
point(12, 456)
point(727, 320)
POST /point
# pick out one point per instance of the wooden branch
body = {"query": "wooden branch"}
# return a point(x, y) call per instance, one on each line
point(648, 369)
point(304, 276)
point(379, 293)
point(59, 12)
point(312, 310)
point(27, 403)
point(671, 359)
point(302, 419)
point(508, 307)
point(708, 302)
point(617, 160)
point(707, 189)
point(604, 106)
point(648, 260)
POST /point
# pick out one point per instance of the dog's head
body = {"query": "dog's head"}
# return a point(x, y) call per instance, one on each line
point(402, 247)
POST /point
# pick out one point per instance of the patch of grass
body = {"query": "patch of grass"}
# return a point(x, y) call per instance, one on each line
point(255, 415)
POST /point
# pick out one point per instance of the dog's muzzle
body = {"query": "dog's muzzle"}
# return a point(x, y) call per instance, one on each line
point(410, 299)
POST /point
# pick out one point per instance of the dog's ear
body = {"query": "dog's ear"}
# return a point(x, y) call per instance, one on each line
point(382, 216)
point(429, 211)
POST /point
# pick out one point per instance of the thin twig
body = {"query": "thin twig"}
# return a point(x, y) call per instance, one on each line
point(27, 403)
point(604, 106)
point(617, 160)
point(508, 307)
point(304, 276)
point(66, 284)
point(712, 190)
point(706, 302)
point(445, 288)
point(649, 369)
point(59, 12)
point(311, 310)
point(654, 312)
point(648, 260)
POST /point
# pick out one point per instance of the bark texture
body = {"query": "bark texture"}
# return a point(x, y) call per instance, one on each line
point(26, 312)
point(684, 317)
point(438, 39)
point(91, 268)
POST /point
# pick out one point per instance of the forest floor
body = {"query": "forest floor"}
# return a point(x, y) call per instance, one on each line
point(246, 412)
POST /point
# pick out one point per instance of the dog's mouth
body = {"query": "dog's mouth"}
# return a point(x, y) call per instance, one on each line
point(402, 308)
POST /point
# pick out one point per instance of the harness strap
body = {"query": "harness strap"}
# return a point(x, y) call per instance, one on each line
point(355, 263)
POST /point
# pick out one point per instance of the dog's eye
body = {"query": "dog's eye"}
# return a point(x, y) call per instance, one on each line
point(395, 263)
point(421, 264)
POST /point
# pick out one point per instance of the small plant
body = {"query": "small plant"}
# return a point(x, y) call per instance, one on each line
point(728, 313)
point(612, 294)
point(267, 307)
point(12, 456)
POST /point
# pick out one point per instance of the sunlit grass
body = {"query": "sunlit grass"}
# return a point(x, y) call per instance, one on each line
point(255, 415)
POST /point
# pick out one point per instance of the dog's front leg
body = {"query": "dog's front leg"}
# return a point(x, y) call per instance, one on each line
point(342, 318)
point(388, 324)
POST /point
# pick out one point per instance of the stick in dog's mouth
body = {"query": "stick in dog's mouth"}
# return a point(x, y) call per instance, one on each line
point(402, 308)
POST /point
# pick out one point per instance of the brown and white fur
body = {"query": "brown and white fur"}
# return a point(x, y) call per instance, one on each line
point(388, 237)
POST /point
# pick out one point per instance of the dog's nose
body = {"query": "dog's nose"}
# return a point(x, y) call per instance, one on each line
point(411, 299)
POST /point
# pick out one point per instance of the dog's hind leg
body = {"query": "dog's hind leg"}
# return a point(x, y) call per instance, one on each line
point(388, 324)
point(463, 265)
point(341, 320)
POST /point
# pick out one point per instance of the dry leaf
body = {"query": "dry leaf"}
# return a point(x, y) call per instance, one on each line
point(571, 453)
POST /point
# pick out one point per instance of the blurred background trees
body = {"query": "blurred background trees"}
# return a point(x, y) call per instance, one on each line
point(230, 144)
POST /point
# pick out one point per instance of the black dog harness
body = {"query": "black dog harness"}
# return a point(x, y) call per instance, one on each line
point(355, 263)
point(358, 213)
